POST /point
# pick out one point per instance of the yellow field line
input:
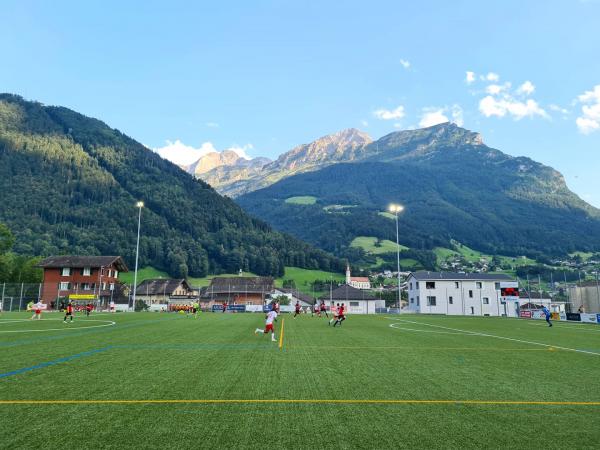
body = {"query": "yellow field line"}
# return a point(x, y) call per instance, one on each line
point(427, 348)
point(281, 335)
point(297, 401)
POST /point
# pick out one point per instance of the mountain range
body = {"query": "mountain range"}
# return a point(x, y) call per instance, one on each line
point(69, 184)
point(453, 186)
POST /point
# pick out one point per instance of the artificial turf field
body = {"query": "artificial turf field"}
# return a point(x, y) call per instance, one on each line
point(376, 382)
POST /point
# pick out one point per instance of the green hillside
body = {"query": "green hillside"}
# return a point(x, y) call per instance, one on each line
point(453, 188)
point(69, 184)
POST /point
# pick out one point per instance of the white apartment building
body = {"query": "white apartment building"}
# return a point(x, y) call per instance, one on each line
point(468, 294)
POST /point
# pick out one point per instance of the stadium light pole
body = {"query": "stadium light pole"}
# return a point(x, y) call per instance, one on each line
point(138, 205)
point(396, 209)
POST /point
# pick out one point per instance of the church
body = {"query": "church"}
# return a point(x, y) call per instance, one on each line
point(357, 282)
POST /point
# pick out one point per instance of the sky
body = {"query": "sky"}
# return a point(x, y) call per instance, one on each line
point(261, 77)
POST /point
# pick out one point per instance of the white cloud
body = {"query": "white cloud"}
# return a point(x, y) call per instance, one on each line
point(434, 115)
point(386, 114)
point(212, 124)
point(470, 77)
point(503, 101)
point(526, 88)
point(457, 115)
point(241, 151)
point(495, 89)
point(589, 121)
point(558, 108)
point(182, 154)
point(405, 63)
point(508, 106)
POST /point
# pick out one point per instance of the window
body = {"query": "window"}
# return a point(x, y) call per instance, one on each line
point(116, 273)
point(431, 301)
point(85, 286)
point(103, 286)
point(450, 301)
point(472, 310)
point(87, 271)
point(486, 301)
point(354, 304)
point(478, 284)
point(63, 286)
point(470, 294)
point(93, 286)
point(417, 300)
point(412, 300)
point(112, 286)
point(411, 284)
point(417, 285)
point(66, 271)
point(109, 273)
point(430, 285)
point(456, 285)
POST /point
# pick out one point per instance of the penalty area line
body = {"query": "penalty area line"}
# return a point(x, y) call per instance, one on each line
point(299, 401)
point(475, 333)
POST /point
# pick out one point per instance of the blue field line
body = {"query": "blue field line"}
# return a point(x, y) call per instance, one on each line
point(54, 362)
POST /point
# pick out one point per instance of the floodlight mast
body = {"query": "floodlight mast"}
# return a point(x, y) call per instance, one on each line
point(396, 209)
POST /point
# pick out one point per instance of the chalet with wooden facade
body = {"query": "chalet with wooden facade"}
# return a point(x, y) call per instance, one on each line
point(237, 290)
point(163, 290)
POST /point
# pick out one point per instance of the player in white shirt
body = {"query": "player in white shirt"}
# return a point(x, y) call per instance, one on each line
point(37, 311)
point(271, 316)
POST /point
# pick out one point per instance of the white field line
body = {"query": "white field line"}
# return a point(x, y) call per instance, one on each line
point(424, 331)
point(107, 323)
point(502, 337)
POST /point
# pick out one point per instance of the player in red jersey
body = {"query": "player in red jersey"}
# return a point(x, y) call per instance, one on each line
point(324, 309)
point(88, 309)
point(340, 315)
point(224, 307)
point(270, 318)
point(298, 311)
point(68, 312)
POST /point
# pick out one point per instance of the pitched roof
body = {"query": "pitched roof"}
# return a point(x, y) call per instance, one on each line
point(250, 285)
point(160, 286)
point(424, 275)
point(76, 261)
point(299, 295)
point(346, 292)
point(360, 279)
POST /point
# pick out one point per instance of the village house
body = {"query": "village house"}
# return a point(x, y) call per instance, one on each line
point(237, 290)
point(475, 294)
point(357, 282)
point(81, 278)
point(163, 290)
point(356, 301)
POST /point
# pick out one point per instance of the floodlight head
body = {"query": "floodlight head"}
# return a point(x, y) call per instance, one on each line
point(139, 204)
point(396, 208)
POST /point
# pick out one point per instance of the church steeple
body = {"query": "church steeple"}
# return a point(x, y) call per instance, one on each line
point(347, 273)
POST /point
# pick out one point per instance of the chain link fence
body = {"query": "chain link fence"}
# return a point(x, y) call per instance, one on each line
point(16, 296)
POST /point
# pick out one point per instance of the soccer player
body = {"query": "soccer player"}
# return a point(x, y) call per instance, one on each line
point(224, 307)
point(68, 312)
point(37, 310)
point(340, 315)
point(298, 311)
point(88, 309)
point(547, 314)
point(334, 313)
point(324, 309)
point(270, 318)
